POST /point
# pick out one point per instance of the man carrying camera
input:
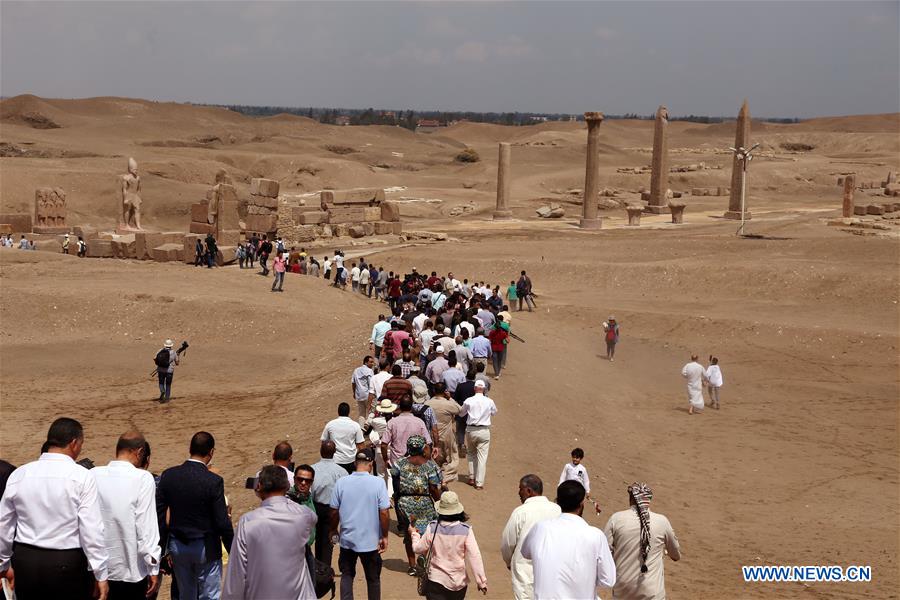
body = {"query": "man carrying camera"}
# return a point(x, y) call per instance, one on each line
point(166, 359)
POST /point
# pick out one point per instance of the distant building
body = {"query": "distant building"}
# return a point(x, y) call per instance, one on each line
point(539, 119)
point(428, 125)
point(342, 120)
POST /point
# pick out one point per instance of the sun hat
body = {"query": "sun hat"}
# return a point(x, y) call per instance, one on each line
point(449, 504)
point(415, 445)
point(169, 344)
point(385, 406)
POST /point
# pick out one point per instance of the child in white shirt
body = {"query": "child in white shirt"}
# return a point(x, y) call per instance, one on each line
point(575, 471)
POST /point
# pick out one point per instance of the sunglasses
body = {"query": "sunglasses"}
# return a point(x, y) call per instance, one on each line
point(303, 479)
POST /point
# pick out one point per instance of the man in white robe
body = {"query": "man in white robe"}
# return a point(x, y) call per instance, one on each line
point(534, 509)
point(695, 374)
point(266, 559)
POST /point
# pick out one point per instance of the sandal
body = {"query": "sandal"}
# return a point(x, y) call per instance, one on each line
point(412, 571)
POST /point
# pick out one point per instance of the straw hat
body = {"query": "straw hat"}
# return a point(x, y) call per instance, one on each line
point(385, 406)
point(169, 344)
point(449, 504)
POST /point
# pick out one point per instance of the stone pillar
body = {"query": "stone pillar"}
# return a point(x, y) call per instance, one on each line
point(849, 184)
point(659, 176)
point(589, 219)
point(741, 140)
point(502, 211)
point(634, 214)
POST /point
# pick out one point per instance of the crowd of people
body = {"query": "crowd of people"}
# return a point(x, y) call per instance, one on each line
point(423, 402)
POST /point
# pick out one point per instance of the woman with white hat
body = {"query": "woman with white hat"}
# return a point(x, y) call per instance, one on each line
point(448, 544)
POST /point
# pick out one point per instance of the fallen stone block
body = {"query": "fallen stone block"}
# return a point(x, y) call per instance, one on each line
point(52, 246)
point(313, 217)
point(264, 187)
point(390, 211)
point(353, 196)
point(203, 228)
point(5, 229)
point(396, 227)
point(168, 253)
point(369, 228)
point(84, 231)
point(357, 231)
point(123, 246)
point(383, 228)
point(200, 212)
point(859, 209)
point(189, 247)
point(264, 202)
point(261, 223)
point(346, 215)
point(372, 213)
point(891, 189)
point(230, 237)
point(97, 248)
point(340, 229)
point(874, 209)
point(226, 255)
point(228, 216)
point(20, 222)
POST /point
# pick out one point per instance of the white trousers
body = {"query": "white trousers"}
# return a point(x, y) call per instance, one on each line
point(478, 444)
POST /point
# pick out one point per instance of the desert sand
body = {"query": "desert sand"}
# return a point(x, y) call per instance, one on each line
point(799, 467)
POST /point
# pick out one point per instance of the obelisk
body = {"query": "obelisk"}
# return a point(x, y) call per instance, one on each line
point(589, 219)
point(503, 162)
point(659, 174)
point(741, 140)
point(849, 185)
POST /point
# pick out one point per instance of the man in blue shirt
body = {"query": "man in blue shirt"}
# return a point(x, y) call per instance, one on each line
point(481, 348)
point(377, 339)
point(360, 506)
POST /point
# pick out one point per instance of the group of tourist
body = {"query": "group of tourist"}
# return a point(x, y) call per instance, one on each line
point(113, 531)
point(697, 376)
point(205, 251)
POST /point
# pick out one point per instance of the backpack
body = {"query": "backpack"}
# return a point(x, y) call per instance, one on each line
point(322, 575)
point(611, 333)
point(162, 358)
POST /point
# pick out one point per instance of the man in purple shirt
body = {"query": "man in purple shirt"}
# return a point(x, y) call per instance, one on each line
point(399, 429)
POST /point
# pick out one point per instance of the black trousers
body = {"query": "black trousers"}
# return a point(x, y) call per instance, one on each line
point(43, 573)
point(371, 562)
point(435, 591)
point(126, 590)
point(324, 547)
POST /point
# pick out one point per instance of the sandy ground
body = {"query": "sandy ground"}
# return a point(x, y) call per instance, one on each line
point(799, 467)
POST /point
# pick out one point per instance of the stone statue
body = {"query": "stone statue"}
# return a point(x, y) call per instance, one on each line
point(131, 199)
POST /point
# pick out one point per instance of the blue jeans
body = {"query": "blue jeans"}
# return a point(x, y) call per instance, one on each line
point(165, 383)
point(278, 281)
point(196, 577)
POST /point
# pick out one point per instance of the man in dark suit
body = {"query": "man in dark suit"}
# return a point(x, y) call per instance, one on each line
point(198, 521)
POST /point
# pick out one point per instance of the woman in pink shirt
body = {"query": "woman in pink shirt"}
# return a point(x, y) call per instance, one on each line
point(452, 544)
point(279, 265)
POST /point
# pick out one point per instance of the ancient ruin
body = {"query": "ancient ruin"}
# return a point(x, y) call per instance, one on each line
point(50, 210)
point(589, 218)
point(677, 210)
point(738, 174)
point(355, 213)
point(634, 214)
point(847, 209)
point(262, 207)
point(131, 198)
point(659, 177)
point(502, 211)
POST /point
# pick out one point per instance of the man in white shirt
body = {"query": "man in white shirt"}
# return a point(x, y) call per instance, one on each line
point(478, 411)
point(378, 381)
point(127, 496)
point(354, 277)
point(534, 509)
point(347, 436)
point(51, 512)
point(363, 392)
point(639, 540)
point(570, 558)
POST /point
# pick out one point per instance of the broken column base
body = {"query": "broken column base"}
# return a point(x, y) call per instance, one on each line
point(502, 215)
point(634, 215)
point(656, 209)
point(736, 215)
point(596, 223)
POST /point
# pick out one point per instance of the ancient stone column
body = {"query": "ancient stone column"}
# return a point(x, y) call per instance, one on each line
point(589, 219)
point(849, 184)
point(741, 140)
point(502, 211)
point(659, 176)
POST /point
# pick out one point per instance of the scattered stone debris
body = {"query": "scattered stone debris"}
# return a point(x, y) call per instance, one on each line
point(551, 211)
point(462, 209)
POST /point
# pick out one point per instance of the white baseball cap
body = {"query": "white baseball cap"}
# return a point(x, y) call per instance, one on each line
point(479, 383)
point(439, 349)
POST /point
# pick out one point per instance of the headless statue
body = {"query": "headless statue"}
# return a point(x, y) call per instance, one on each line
point(131, 199)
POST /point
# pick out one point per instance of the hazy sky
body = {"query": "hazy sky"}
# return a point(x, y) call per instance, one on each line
point(789, 58)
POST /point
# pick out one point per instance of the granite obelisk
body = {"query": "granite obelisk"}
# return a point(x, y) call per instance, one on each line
point(502, 211)
point(659, 174)
point(738, 173)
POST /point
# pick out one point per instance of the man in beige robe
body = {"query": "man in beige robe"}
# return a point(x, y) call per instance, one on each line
point(445, 411)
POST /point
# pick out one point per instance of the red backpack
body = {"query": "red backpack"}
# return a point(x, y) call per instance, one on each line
point(611, 333)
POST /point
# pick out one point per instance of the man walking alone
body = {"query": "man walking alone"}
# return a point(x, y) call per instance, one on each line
point(165, 370)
